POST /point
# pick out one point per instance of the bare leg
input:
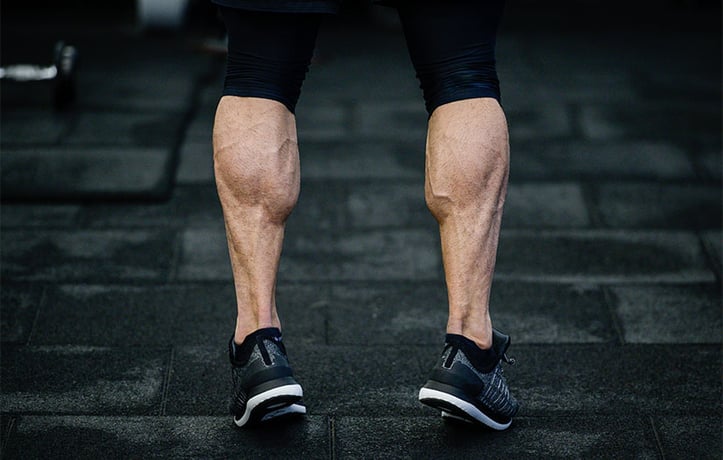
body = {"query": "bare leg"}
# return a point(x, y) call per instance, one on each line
point(467, 167)
point(256, 162)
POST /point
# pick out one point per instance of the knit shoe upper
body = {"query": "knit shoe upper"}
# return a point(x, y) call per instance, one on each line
point(469, 383)
point(263, 382)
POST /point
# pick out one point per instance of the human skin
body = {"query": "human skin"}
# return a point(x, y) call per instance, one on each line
point(256, 164)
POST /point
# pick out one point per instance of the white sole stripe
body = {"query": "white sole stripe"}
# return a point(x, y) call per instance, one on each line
point(469, 409)
point(286, 390)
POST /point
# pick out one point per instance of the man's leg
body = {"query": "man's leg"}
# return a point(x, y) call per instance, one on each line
point(467, 162)
point(256, 163)
point(465, 185)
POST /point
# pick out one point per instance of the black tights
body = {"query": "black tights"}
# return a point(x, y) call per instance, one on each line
point(451, 44)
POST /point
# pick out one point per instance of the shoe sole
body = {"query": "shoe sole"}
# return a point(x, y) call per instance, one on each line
point(271, 404)
point(454, 407)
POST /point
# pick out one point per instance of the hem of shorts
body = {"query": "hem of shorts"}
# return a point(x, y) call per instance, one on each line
point(464, 96)
point(279, 9)
point(259, 95)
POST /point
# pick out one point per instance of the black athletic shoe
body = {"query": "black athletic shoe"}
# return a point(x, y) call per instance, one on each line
point(263, 383)
point(468, 384)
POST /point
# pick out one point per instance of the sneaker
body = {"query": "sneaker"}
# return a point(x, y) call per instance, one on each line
point(263, 383)
point(468, 383)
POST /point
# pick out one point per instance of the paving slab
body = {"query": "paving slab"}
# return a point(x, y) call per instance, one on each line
point(352, 160)
point(87, 437)
point(545, 122)
point(19, 304)
point(690, 437)
point(195, 163)
point(528, 438)
point(713, 241)
point(669, 314)
point(658, 205)
point(82, 380)
point(607, 380)
point(20, 215)
point(33, 127)
point(685, 122)
point(188, 206)
point(86, 172)
point(127, 315)
point(545, 205)
point(573, 159)
point(601, 256)
point(366, 381)
point(376, 255)
point(87, 255)
point(416, 313)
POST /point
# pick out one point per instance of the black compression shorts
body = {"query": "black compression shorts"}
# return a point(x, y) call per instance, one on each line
point(451, 44)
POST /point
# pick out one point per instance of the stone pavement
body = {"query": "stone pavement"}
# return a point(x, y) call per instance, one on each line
point(116, 288)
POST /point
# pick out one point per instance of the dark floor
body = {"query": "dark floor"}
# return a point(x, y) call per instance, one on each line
point(116, 294)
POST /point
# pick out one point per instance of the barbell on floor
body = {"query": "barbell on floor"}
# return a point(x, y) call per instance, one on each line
point(62, 74)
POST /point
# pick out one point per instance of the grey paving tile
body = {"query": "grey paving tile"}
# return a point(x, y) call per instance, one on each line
point(323, 121)
point(82, 380)
point(713, 240)
point(366, 381)
point(19, 304)
point(128, 88)
point(195, 163)
point(391, 313)
point(616, 380)
point(670, 314)
point(683, 122)
point(551, 313)
point(549, 205)
point(32, 127)
point(601, 256)
point(372, 255)
point(90, 437)
point(525, 84)
point(361, 160)
point(200, 381)
point(690, 437)
point(123, 315)
point(378, 255)
point(621, 159)
point(416, 313)
point(548, 121)
point(388, 205)
point(655, 205)
point(188, 206)
point(7, 427)
point(711, 162)
point(53, 173)
point(336, 379)
point(88, 255)
point(38, 215)
point(204, 255)
point(320, 207)
point(134, 128)
point(200, 128)
point(528, 438)
point(391, 119)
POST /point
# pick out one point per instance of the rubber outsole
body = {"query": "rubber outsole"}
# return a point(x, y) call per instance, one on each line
point(458, 408)
point(271, 404)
